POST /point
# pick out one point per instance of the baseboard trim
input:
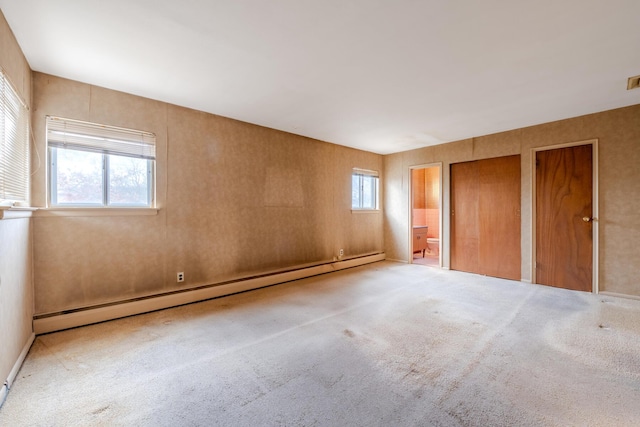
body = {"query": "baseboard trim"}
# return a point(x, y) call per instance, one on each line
point(4, 391)
point(617, 295)
point(129, 308)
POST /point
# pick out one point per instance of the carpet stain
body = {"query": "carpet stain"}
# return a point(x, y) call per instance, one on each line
point(100, 410)
point(349, 333)
point(253, 399)
point(413, 372)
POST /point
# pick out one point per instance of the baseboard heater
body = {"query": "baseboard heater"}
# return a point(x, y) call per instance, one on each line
point(52, 322)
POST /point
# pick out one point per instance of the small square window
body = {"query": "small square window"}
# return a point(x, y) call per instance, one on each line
point(364, 189)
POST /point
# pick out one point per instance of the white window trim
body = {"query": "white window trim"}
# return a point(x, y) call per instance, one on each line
point(106, 140)
point(97, 211)
point(368, 172)
point(16, 212)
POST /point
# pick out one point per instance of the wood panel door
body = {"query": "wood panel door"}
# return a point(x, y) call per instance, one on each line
point(564, 210)
point(485, 217)
point(499, 212)
point(465, 225)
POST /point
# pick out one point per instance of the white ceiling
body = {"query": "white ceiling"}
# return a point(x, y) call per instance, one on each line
point(379, 75)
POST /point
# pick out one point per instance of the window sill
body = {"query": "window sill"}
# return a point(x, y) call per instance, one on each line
point(15, 212)
point(364, 211)
point(63, 212)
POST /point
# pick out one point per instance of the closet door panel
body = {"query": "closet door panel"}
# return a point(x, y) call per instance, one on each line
point(499, 217)
point(465, 230)
point(485, 217)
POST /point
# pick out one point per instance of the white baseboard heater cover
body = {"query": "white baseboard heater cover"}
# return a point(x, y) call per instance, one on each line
point(86, 316)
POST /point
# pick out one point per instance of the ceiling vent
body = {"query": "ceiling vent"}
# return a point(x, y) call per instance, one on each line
point(633, 82)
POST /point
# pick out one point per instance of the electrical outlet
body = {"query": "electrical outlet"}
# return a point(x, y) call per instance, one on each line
point(341, 252)
point(181, 277)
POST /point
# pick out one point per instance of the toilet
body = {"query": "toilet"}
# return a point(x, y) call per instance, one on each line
point(433, 246)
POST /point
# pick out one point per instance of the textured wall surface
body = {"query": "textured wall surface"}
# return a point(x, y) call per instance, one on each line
point(618, 135)
point(16, 284)
point(234, 199)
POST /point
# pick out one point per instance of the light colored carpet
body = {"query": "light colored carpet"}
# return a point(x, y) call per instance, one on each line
point(382, 345)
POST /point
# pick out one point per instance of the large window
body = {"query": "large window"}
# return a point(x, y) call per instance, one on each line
point(93, 165)
point(364, 189)
point(14, 146)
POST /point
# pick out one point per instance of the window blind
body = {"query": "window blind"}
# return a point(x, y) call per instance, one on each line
point(78, 135)
point(14, 144)
point(364, 172)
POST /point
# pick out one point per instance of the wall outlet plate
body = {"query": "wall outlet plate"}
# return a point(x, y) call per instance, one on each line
point(341, 252)
point(180, 277)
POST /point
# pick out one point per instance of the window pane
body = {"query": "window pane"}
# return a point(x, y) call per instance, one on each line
point(128, 181)
point(355, 191)
point(369, 192)
point(78, 177)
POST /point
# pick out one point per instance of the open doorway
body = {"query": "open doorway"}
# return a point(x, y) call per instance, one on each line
point(425, 215)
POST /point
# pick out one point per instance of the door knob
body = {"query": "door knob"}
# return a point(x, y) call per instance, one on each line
point(586, 219)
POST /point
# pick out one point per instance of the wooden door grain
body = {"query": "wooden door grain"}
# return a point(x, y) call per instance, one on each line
point(465, 228)
point(564, 230)
point(485, 217)
point(499, 211)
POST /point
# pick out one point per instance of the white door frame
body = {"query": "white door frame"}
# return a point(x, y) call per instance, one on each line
point(410, 210)
point(595, 213)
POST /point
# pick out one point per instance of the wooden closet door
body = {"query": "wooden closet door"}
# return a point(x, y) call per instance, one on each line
point(564, 227)
point(499, 217)
point(465, 230)
point(485, 217)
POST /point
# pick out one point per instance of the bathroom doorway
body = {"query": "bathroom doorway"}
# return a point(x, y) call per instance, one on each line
point(426, 222)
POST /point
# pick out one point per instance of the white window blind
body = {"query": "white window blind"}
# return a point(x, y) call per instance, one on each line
point(84, 136)
point(364, 172)
point(14, 145)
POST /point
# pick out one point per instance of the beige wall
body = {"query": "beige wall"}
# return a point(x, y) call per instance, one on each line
point(618, 134)
point(234, 200)
point(16, 287)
